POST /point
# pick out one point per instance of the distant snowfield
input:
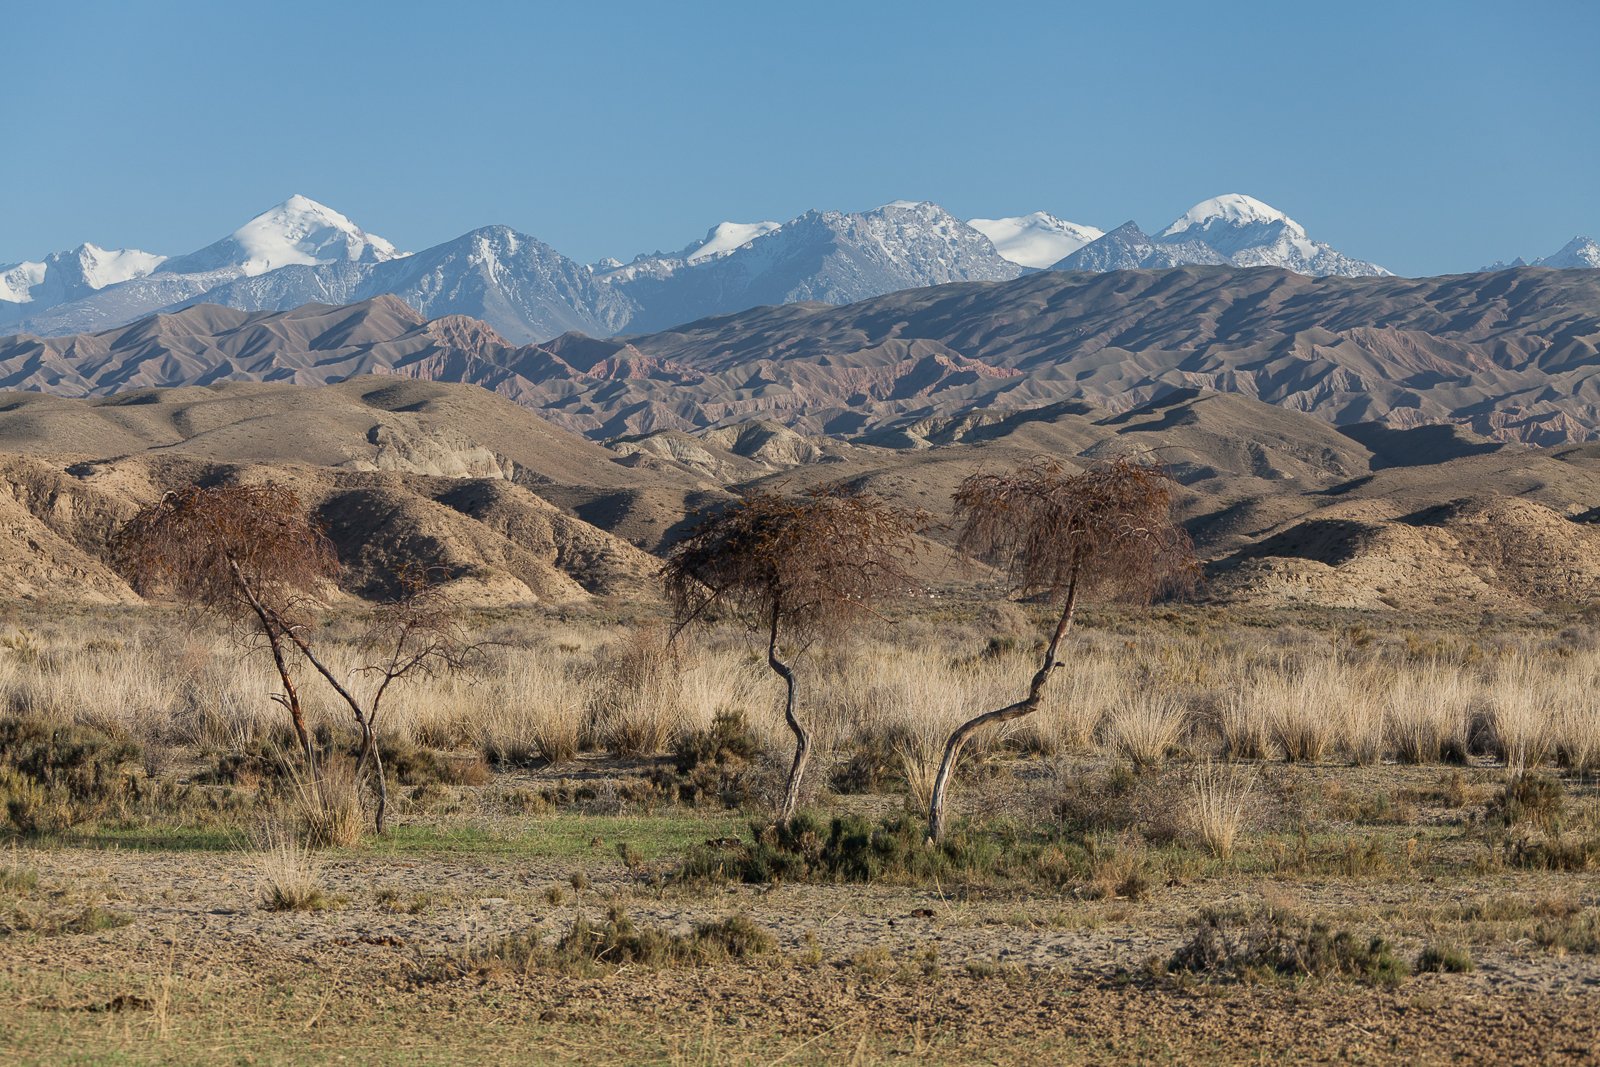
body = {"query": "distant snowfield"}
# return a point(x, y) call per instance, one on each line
point(18, 280)
point(726, 236)
point(1039, 240)
point(85, 267)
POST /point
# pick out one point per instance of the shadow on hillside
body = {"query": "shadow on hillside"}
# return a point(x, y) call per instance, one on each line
point(1419, 446)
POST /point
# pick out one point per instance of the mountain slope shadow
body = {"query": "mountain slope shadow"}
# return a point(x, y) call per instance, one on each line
point(1419, 446)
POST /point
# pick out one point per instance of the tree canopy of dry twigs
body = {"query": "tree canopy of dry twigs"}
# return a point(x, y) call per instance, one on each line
point(247, 553)
point(252, 555)
point(1106, 532)
point(795, 569)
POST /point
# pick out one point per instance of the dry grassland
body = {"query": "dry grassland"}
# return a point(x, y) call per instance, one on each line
point(1223, 838)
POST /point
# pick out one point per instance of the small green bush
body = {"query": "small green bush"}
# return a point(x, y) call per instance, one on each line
point(1444, 959)
point(852, 848)
point(589, 947)
point(1223, 948)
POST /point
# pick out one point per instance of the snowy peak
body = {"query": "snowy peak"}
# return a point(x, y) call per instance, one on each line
point(1037, 240)
point(1230, 209)
point(67, 275)
point(1234, 222)
point(1247, 232)
point(1129, 248)
point(19, 280)
point(1580, 253)
point(724, 237)
point(831, 256)
point(302, 231)
point(99, 267)
point(911, 243)
point(297, 232)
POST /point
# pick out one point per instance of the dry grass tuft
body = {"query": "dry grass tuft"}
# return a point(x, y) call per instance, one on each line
point(1145, 727)
point(289, 873)
point(1428, 716)
point(328, 808)
point(1218, 794)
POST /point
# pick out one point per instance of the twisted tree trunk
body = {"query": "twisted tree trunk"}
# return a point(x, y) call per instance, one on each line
point(802, 738)
point(1026, 706)
point(291, 700)
point(273, 633)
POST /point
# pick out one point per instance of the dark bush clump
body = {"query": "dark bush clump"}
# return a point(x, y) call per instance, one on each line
point(589, 947)
point(871, 765)
point(267, 762)
point(412, 765)
point(1530, 798)
point(55, 777)
point(852, 848)
point(1223, 948)
point(1444, 959)
point(1119, 799)
point(715, 764)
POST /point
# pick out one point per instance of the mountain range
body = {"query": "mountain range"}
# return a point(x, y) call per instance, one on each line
point(1580, 253)
point(1512, 355)
point(302, 252)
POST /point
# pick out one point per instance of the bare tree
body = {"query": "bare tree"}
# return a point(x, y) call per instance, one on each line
point(1062, 535)
point(247, 553)
point(418, 634)
point(795, 569)
point(250, 554)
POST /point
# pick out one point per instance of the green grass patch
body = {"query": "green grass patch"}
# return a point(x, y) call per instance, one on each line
point(565, 836)
point(1444, 959)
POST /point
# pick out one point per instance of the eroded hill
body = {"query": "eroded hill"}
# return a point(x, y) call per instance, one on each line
point(1510, 355)
point(1284, 507)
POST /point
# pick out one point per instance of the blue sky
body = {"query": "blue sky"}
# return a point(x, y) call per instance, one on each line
point(1426, 136)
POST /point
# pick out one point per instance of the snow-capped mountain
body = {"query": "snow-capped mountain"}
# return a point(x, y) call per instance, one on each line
point(523, 287)
point(829, 256)
point(1253, 234)
point(724, 237)
point(1580, 253)
point(1230, 223)
point(1235, 230)
point(63, 276)
point(303, 252)
point(721, 239)
point(1038, 240)
point(297, 232)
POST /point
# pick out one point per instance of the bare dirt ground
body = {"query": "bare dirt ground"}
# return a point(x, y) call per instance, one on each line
point(199, 971)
